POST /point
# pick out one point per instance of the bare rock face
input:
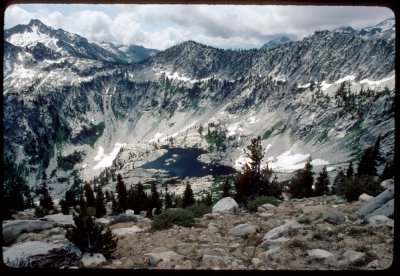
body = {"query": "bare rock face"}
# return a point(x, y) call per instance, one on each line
point(36, 254)
point(60, 219)
point(226, 205)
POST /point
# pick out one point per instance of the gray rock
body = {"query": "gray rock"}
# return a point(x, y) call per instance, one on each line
point(123, 218)
point(13, 228)
point(269, 207)
point(279, 231)
point(380, 219)
point(211, 260)
point(103, 221)
point(226, 205)
point(319, 253)
point(386, 210)
point(127, 230)
point(264, 255)
point(333, 216)
point(167, 256)
point(60, 219)
point(376, 203)
point(265, 215)
point(256, 262)
point(365, 198)
point(92, 259)
point(387, 183)
point(36, 254)
point(243, 230)
point(353, 256)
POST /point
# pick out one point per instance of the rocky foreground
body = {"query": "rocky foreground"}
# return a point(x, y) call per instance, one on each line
point(320, 233)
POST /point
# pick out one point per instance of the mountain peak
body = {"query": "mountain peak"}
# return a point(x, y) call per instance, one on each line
point(275, 43)
point(37, 22)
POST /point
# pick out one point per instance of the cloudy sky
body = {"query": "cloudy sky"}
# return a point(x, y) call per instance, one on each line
point(162, 26)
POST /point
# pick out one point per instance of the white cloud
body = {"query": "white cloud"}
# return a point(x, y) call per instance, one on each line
point(161, 26)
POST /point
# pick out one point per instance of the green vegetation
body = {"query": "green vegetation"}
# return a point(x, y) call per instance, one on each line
point(269, 132)
point(259, 201)
point(68, 162)
point(215, 137)
point(169, 218)
point(89, 135)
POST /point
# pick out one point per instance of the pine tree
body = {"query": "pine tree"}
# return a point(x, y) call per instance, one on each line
point(82, 206)
point(188, 197)
point(122, 194)
point(90, 199)
point(101, 210)
point(70, 197)
point(64, 207)
point(168, 199)
point(350, 170)
point(226, 188)
point(155, 201)
point(114, 203)
point(45, 201)
point(388, 171)
point(322, 183)
point(370, 159)
point(91, 237)
point(254, 181)
point(301, 184)
point(339, 183)
point(140, 201)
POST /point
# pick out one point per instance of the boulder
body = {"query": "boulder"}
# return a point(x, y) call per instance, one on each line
point(265, 215)
point(36, 254)
point(123, 218)
point(269, 207)
point(365, 198)
point(129, 212)
point(13, 228)
point(378, 202)
point(386, 210)
point(226, 205)
point(92, 259)
point(387, 183)
point(353, 256)
point(264, 255)
point(333, 216)
point(211, 260)
point(167, 256)
point(60, 219)
point(127, 231)
point(319, 253)
point(280, 231)
point(243, 230)
point(103, 221)
point(380, 219)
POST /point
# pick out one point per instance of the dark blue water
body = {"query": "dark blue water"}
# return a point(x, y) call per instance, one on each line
point(183, 162)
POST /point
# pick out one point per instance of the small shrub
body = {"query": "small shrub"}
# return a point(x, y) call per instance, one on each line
point(317, 235)
point(296, 243)
point(199, 210)
point(360, 231)
point(258, 201)
point(168, 218)
point(304, 220)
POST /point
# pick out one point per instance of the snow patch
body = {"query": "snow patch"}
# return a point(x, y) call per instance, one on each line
point(307, 85)
point(346, 78)
point(376, 83)
point(105, 160)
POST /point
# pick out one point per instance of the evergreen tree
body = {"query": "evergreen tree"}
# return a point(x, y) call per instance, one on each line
point(82, 206)
point(339, 183)
point(90, 199)
point(155, 201)
point(91, 237)
point(107, 194)
point(114, 203)
point(322, 183)
point(64, 207)
point(301, 184)
point(188, 197)
point(122, 194)
point(350, 170)
point(45, 201)
point(140, 201)
point(168, 198)
point(370, 159)
point(388, 171)
point(254, 181)
point(70, 197)
point(101, 210)
point(226, 188)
